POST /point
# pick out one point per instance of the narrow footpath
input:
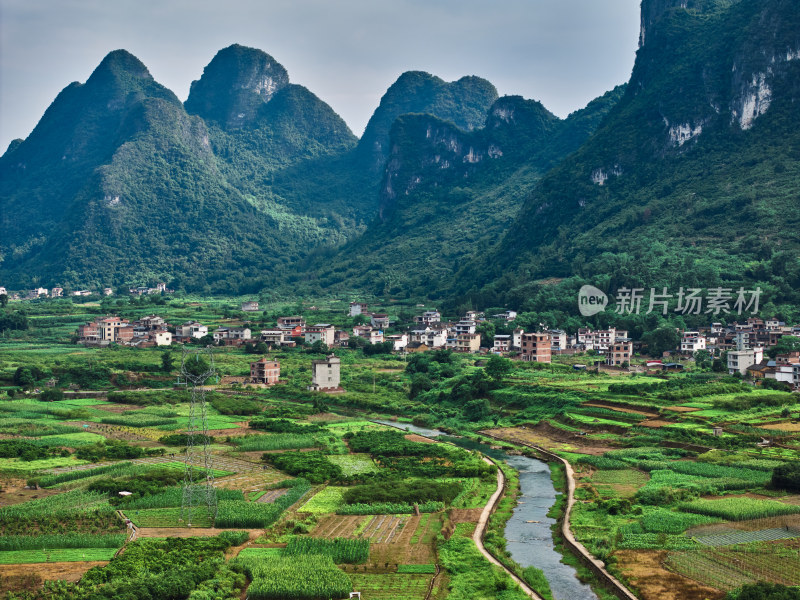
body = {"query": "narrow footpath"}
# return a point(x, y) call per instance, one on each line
point(480, 530)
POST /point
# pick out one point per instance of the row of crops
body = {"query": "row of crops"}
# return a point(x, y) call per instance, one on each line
point(249, 515)
point(389, 508)
point(279, 441)
point(340, 550)
point(67, 540)
point(302, 577)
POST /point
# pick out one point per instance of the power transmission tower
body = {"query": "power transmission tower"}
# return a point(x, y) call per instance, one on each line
point(198, 481)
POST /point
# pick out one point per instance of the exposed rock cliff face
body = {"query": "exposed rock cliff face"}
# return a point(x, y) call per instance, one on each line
point(235, 85)
point(697, 154)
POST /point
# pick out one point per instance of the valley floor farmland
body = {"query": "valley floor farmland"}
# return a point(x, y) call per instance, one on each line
point(672, 509)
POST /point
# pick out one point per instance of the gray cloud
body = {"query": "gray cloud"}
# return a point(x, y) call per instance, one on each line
point(561, 52)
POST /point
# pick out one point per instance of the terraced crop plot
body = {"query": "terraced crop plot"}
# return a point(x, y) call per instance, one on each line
point(327, 500)
point(744, 537)
point(391, 586)
point(168, 517)
point(15, 557)
point(728, 568)
point(354, 464)
point(271, 495)
point(384, 528)
point(376, 528)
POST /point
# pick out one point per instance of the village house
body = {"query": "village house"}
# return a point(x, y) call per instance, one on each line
point(3, 291)
point(558, 340)
point(36, 293)
point(399, 341)
point(276, 337)
point(108, 291)
point(467, 342)
point(104, 331)
point(692, 341)
point(56, 292)
point(81, 293)
point(474, 315)
point(373, 336)
point(321, 332)
point(326, 374)
point(250, 306)
point(502, 344)
point(508, 315)
point(599, 340)
point(536, 347)
point(150, 323)
point(783, 373)
point(433, 335)
point(464, 326)
point(516, 339)
point(739, 360)
point(379, 320)
point(341, 338)
point(428, 317)
point(358, 308)
point(620, 353)
point(265, 371)
point(291, 322)
point(189, 330)
point(232, 336)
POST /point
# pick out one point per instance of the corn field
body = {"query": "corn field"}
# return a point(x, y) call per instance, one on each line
point(248, 515)
point(340, 550)
point(66, 540)
point(114, 470)
point(739, 509)
point(305, 577)
point(278, 441)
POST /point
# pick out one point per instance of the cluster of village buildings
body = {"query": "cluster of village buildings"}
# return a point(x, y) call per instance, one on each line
point(59, 292)
point(744, 343)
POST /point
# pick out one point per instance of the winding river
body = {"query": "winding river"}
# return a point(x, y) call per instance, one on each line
point(528, 531)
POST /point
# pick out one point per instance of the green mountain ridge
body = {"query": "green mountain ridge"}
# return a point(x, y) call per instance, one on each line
point(690, 181)
point(448, 195)
point(120, 183)
point(684, 177)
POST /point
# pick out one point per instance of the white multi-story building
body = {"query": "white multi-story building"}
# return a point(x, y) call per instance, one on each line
point(321, 332)
point(739, 360)
point(325, 373)
point(428, 317)
point(399, 341)
point(232, 333)
point(357, 308)
point(692, 341)
point(516, 339)
point(464, 326)
point(191, 329)
point(558, 340)
point(432, 337)
point(275, 336)
point(502, 343)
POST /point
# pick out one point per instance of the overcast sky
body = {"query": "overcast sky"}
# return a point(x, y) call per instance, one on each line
point(561, 52)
